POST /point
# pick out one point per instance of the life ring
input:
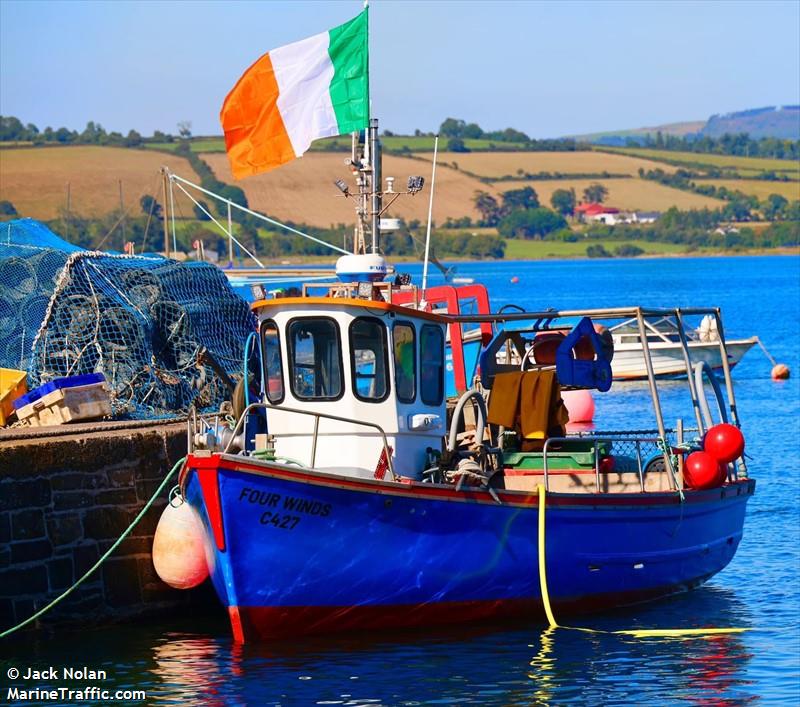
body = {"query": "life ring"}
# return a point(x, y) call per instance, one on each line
point(700, 368)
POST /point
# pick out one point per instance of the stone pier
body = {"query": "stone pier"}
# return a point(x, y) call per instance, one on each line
point(66, 494)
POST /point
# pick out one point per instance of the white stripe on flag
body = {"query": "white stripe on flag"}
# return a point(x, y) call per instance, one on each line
point(303, 71)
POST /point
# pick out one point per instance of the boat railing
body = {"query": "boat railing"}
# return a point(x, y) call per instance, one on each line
point(635, 444)
point(639, 316)
point(237, 430)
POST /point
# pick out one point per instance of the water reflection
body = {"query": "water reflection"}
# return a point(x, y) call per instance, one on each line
point(475, 665)
point(195, 669)
point(571, 665)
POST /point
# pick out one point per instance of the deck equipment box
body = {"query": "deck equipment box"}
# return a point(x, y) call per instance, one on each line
point(65, 400)
point(13, 384)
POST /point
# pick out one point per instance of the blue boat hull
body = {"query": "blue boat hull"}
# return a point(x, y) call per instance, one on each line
point(294, 552)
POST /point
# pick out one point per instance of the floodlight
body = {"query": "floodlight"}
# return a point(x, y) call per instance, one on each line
point(415, 184)
point(342, 186)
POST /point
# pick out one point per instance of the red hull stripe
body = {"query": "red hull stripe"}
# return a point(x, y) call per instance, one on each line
point(254, 623)
point(444, 493)
point(259, 622)
point(236, 624)
point(209, 485)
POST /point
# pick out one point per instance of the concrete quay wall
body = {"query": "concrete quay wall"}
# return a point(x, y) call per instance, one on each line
point(64, 500)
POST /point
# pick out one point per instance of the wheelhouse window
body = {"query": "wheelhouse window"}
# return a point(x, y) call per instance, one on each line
point(315, 355)
point(431, 346)
point(273, 370)
point(405, 362)
point(368, 359)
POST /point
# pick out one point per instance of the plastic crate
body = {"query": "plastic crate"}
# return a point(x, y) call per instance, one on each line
point(569, 455)
point(13, 384)
point(65, 400)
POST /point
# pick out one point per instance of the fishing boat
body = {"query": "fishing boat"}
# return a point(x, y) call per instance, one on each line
point(351, 494)
point(628, 362)
point(664, 340)
point(346, 489)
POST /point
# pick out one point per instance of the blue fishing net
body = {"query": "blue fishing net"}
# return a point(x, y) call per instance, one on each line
point(142, 321)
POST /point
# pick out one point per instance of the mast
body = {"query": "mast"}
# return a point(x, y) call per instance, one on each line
point(375, 182)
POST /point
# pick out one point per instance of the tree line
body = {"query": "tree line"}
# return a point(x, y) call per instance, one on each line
point(13, 130)
point(737, 144)
point(518, 213)
point(740, 206)
point(457, 130)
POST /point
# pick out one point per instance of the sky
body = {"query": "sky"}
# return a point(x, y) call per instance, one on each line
point(546, 68)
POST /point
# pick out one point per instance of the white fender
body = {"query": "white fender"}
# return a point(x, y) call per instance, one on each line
point(179, 554)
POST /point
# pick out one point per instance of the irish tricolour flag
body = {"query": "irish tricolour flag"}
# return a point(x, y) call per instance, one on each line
point(313, 88)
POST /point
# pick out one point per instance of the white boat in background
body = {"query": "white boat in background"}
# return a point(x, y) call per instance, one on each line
point(664, 342)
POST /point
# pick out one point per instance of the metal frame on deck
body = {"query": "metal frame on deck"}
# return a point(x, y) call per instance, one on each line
point(544, 319)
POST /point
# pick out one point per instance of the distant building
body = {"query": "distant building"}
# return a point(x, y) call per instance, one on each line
point(645, 216)
point(596, 212)
point(611, 216)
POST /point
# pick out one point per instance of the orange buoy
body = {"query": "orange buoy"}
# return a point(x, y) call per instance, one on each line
point(579, 404)
point(780, 372)
point(514, 280)
point(179, 554)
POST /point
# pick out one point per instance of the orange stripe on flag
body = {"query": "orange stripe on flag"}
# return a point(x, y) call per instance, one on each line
point(255, 135)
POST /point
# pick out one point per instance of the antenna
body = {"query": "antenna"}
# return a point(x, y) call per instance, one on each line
point(430, 211)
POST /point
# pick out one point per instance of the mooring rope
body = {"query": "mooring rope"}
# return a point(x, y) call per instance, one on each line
point(102, 559)
point(637, 633)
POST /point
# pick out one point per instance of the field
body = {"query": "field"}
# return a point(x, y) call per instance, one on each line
point(500, 164)
point(534, 250)
point(35, 179)
point(197, 144)
point(392, 142)
point(745, 164)
point(423, 143)
point(626, 194)
point(757, 187)
point(303, 190)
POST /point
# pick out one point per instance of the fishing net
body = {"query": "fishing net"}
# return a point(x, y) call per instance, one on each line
point(141, 321)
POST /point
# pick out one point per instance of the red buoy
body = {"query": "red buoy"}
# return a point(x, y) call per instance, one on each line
point(514, 280)
point(722, 475)
point(579, 404)
point(702, 471)
point(724, 442)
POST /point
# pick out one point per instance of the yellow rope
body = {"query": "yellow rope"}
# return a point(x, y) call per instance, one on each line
point(636, 633)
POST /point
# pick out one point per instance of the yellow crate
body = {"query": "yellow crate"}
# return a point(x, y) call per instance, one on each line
point(12, 385)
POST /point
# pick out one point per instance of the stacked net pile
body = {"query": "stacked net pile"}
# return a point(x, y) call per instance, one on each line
point(31, 259)
point(141, 321)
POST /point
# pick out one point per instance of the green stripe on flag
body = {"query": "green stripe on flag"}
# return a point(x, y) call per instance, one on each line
point(349, 89)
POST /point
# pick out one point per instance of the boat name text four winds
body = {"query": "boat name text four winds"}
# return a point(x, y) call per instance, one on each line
point(52, 673)
point(290, 503)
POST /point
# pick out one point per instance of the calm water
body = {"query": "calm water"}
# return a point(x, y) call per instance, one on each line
point(194, 661)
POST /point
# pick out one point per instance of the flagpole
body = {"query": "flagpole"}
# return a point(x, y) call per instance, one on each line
point(430, 213)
